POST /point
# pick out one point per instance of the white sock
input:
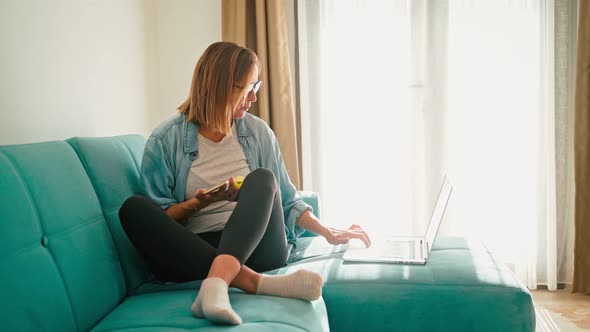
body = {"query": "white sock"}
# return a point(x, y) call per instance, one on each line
point(303, 284)
point(212, 303)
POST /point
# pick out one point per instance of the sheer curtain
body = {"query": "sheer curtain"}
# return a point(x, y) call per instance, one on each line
point(395, 94)
point(500, 145)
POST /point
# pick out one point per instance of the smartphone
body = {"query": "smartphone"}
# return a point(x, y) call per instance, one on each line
point(216, 188)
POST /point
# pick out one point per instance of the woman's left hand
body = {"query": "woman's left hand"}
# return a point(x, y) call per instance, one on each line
point(337, 236)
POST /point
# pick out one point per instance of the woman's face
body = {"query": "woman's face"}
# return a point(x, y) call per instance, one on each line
point(246, 101)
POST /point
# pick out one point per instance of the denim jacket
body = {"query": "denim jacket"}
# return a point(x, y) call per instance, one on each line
point(172, 147)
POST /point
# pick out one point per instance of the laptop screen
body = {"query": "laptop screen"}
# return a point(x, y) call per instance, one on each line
point(439, 211)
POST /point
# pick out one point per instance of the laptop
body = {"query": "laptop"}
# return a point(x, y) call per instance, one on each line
point(405, 250)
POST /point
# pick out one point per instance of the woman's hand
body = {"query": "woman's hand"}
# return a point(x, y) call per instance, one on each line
point(231, 194)
point(337, 236)
point(310, 222)
point(227, 193)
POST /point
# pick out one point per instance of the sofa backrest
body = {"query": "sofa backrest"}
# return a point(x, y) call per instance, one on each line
point(59, 268)
point(113, 165)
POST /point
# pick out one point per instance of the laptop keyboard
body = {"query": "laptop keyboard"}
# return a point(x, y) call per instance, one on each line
point(400, 248)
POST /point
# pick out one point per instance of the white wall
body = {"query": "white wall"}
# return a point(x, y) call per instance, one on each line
point(181, 31)
point(97, 68)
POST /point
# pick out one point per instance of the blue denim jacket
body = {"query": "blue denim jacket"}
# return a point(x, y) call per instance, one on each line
point(172, 147)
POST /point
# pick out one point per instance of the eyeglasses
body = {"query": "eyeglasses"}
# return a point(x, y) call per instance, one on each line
point(252, 87)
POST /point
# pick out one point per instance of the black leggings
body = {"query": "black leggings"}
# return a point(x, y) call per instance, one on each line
point(254, 233)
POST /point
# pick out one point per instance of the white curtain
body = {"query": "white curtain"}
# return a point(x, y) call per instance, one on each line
point(396, 94)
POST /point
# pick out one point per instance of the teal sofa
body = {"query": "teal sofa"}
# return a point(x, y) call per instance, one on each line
point(66, 264)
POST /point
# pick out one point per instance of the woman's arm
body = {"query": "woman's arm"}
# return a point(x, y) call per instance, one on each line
point(310, 222)
point(182, 211)
point(298, 217)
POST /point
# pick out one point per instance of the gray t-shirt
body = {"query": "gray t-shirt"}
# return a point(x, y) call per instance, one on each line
point(215, 163)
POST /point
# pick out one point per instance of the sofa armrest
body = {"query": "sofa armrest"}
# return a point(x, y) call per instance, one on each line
point(312, 198)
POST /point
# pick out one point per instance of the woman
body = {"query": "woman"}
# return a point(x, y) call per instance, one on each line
point(229, 236)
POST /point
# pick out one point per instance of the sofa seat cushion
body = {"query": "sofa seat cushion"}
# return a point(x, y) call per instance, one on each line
point(461, 288)
point(170, 311)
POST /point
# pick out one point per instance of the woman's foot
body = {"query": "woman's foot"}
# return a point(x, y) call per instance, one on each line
point(212, 303)
point(303, 284)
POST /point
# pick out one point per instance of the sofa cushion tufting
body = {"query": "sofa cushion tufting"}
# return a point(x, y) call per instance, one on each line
point(112, 164)
point(59, 266)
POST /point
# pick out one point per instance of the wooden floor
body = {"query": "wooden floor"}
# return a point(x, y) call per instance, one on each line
point(570, 312)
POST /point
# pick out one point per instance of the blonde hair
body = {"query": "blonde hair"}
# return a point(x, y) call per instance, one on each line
point(223, 67)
